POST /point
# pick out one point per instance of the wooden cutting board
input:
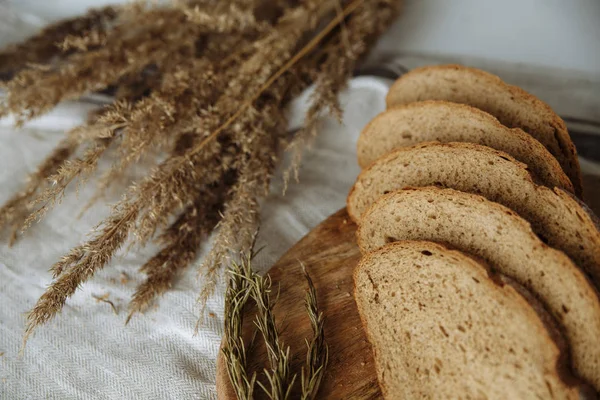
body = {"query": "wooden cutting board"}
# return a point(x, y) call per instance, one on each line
point(330, 254)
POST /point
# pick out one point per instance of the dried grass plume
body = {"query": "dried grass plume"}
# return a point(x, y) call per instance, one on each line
point(200, 92)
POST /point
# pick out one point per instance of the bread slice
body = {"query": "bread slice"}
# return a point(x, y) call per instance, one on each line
point(497, 234)
point(513, 106)
point(555, 215)
point(439, 327)
point(443, 121)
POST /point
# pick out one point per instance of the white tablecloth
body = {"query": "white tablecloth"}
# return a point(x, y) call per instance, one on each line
point(87, 352)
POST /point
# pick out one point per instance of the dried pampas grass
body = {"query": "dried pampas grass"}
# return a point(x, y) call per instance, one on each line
point(200, 91)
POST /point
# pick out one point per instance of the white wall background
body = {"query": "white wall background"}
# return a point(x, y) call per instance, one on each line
point(557, 33)
point(554, 33)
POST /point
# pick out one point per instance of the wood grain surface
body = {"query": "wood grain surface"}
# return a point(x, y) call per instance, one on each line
point(329, 253)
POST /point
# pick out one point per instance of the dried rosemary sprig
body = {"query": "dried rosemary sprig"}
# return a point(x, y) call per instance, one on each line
point(243, 286)
point(239, 289)
point(280, 377)
point(317, 355)
point(201, 91)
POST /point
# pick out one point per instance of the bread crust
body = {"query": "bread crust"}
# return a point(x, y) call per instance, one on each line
point(553, 342)
point(554, 135)
point(515, 141)
point(546, 272)
point(559, 217)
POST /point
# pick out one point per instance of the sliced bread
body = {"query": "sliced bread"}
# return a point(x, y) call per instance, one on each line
point(443, 121)
point(439, 327)
point(555, 215)
point(513, 106)
point(497, 234)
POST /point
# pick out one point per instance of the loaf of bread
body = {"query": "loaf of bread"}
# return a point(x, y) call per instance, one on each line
point(440, 328)
point(443, 121)
point(513, 106)
point(555, 215)
point(497, 234)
